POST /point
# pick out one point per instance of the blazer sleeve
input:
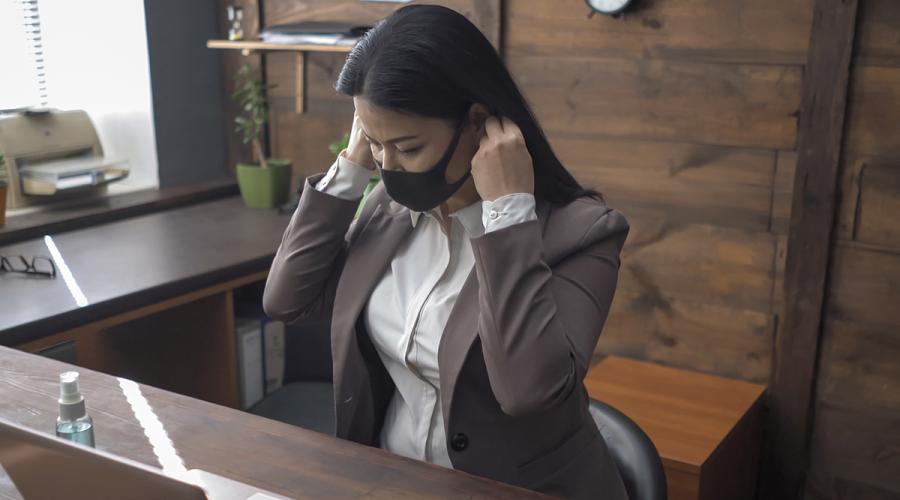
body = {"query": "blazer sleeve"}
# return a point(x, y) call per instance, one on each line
point(539, 326)
point(302, 281)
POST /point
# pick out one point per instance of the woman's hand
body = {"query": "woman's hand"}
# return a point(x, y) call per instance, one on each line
point(502, 164)
point(358, 150)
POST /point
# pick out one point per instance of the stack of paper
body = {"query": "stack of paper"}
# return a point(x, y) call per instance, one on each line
point(314, 32)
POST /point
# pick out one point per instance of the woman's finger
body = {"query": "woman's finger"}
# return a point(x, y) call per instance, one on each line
point(510, 127)
point(492, 126)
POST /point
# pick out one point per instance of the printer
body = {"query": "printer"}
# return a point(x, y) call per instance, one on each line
point(54, 155)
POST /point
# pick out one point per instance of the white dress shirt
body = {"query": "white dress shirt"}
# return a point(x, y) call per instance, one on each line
point(408, 309)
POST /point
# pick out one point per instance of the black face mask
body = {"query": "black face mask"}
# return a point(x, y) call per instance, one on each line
point(422, 191)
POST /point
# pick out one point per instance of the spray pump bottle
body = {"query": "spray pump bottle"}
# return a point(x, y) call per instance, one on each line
point(73, 423)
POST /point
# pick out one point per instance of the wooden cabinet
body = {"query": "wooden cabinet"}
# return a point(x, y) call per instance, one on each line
point(185, 344)
point(708, 429)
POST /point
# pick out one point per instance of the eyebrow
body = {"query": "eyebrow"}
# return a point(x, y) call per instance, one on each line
point(396, 139)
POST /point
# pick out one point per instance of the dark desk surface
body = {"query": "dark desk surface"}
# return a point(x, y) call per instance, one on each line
point(262, 452)
point(136, 261)
point(76, 214)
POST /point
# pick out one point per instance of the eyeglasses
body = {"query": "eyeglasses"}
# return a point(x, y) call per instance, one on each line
point(36, 266)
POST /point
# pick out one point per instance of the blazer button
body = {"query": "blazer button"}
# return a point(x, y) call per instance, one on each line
point(459, 442)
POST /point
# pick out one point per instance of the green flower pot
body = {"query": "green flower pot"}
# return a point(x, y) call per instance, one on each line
point(265, 187)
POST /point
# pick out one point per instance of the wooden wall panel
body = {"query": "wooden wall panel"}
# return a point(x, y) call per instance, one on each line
point(842, 489)
point(855, 444)
point(693, 335)
point(854, 449)
point(878, 205)
point(819, 145)
point(717, 266)
point(304, 138)
point(865, 284)
point(860, 366)
point(692, 183)
point(783, 192)
point(697, 297)
point(873, 120)
point(878, 42)
point(869, 200)
point(722, 104)
point(698, 30)
point(848, 196)
point(483, 13)
point(322, 70)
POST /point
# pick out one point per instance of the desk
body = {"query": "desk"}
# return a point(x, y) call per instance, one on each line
point(79, 213)
point(708, 430)
point(157, 295)
point(282, 458)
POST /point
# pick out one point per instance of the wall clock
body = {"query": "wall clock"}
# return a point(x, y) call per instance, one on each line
point(608, 7)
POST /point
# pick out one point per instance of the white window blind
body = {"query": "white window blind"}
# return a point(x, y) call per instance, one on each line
point(23, 82)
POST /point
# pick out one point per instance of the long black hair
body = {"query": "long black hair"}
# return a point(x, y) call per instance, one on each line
point(431, 61)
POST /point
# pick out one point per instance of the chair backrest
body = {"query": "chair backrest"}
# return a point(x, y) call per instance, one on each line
point(635, 455)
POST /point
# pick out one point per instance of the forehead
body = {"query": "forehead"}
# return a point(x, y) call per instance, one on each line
point(383, 124)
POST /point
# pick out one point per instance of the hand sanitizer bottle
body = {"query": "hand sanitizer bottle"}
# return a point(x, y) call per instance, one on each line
point(73, 423)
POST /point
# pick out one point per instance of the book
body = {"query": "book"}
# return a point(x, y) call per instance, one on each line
point(250, 360)
point(273, 344)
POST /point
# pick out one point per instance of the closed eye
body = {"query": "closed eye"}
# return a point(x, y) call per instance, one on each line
point(409, 151)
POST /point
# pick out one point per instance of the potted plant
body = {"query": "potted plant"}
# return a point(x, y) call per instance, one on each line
point(3, 183)
point(266, 184)
point(336, 148)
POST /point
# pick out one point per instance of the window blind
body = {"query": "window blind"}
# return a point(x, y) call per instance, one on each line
point(24, 81)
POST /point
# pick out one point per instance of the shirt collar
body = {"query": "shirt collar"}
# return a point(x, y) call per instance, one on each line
point(469, 217)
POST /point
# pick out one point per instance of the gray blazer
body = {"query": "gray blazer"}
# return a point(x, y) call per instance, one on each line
point(516, 348)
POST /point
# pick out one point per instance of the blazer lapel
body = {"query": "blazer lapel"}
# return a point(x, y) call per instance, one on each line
point(457, 339)
point(373, 249)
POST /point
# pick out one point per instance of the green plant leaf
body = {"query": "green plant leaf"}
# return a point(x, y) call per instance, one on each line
point(340, 145)
point(250, 93)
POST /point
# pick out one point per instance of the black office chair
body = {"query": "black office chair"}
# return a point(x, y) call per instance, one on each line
point(305, 398)
point(634, 453)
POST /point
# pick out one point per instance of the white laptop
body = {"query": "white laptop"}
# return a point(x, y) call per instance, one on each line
point(44, 466)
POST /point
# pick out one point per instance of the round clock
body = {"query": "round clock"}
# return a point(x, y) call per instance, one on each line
point(608, 7)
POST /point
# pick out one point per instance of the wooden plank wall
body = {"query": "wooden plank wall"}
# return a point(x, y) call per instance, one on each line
point(855, 448)
point(684, 114)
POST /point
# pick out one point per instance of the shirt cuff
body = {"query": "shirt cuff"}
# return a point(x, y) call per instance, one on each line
point(345, 179)
point(507, 210)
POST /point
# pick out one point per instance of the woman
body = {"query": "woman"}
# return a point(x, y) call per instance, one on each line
point(467, 298)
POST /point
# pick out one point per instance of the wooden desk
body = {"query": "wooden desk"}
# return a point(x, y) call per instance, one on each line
point(157, 300)
point(282, 458)
point(76, 214)
point(707, 429)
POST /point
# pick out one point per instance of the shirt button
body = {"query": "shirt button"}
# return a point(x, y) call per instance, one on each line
point(459, 442)
point(494, 214)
